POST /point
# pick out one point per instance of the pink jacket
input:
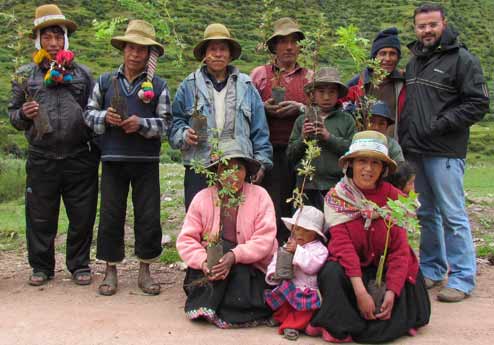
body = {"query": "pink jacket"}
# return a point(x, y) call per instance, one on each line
point(256, 228)
point(307, 262)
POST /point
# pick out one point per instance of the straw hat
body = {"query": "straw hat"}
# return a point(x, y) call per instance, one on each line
point(231, 150)
point(283, 27)
point(138, 32)
point(310, 219)
point(51, 15)
point(327, 76)
point(217, 32)
point(369, 144)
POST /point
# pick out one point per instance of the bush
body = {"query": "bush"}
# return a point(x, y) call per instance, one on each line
point(12, 178)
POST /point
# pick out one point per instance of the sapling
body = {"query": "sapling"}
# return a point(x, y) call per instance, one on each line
point(399, 212)
point(357, 47)
point(284, 266)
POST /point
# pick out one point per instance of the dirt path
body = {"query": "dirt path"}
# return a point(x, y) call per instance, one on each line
point(62, 313)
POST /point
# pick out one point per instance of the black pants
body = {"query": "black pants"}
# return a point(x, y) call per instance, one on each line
point(75, 180)
point(193, 184)
point(115, 180)
point(279, 182)
point(340, 315)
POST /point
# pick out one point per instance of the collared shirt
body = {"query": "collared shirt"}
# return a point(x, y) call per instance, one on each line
point(149, 127)
point(218, 85)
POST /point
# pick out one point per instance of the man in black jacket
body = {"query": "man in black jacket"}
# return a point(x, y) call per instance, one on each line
point(48, 99)
point(446, 94)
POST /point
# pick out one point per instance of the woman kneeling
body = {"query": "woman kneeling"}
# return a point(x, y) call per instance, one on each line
point(358, 237)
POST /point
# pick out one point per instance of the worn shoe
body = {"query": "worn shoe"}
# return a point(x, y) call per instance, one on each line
point(429, 283)
point(451, 295)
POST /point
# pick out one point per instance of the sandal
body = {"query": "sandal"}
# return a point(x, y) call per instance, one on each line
point(150, 287)
point(43, 278)
point(108, 286)
point(82, 276)
point(290, 334)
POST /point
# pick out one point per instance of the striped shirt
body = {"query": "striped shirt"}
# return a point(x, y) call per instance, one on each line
point(150, 127)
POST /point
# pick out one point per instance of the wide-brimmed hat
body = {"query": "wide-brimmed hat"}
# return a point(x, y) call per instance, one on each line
point(309, 218)
point(230, 149)
point(51, 15)
point(138, 32)
point(327, 76)
point(283, 27)
point(217, 31)
point(381, 109)
point(369, 144)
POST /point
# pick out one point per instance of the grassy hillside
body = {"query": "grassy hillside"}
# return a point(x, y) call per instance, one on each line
point(189, 18)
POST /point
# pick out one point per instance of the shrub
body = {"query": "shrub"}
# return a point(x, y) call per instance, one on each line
point(12, 178)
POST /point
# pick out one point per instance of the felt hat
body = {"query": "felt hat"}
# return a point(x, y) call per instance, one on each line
point(369, 144)
point(217, 31)
point(283, 27)
point(138, 32)
point(327, 76)
point(388, 38)
point(381, 109)
point(230, 149)
point(50, 15)
point(309, 218)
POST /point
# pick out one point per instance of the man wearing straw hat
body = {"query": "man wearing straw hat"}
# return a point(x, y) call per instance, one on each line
point(284, 72)
point(48, 99)
point(129, 108)
point(227, 101)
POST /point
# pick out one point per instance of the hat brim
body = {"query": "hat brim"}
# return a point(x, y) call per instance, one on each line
point(120, 41)
point(342, 88)
point(70, 25)
point(290, 222)
point(251, 165)
point(271, 40)
point(369, 154)
point(200, 48)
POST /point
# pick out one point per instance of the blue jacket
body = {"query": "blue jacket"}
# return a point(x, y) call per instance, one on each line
point(250, 126)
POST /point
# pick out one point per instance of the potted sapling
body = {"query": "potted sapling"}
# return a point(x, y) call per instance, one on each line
point(284, 260)
point(199, 121)
point(357, 48)
point(399, 212)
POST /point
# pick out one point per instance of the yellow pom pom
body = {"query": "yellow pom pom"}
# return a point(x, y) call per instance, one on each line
point(40, 56)
point(147, 84)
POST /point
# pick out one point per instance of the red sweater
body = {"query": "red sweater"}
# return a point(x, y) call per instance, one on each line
point(354, 247)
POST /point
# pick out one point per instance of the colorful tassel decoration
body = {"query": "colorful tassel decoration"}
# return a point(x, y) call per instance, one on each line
point(60, 69)
point(146, 93)
point(40, 56)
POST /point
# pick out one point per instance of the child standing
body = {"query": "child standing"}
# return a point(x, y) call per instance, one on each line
point(403, 178)
point(333, 129)
point(295, 300)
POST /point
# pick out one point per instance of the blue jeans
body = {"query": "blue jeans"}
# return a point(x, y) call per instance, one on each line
point(446, 245)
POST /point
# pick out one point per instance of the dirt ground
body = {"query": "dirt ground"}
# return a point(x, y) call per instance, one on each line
point(63, 313)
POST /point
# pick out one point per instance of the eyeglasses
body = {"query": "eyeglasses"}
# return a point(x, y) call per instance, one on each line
point(432, 25)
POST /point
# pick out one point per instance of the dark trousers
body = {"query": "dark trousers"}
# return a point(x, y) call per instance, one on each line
point(115, 181)
point(279, 182)
point(315, 197)
point(75, 180)
point(193, 184)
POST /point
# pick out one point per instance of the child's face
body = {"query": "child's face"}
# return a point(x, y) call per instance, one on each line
point(378, 123)
point(409, 186)
point(303, 236)
point(326, 96)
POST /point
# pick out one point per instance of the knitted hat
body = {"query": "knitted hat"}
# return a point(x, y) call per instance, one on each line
point(309, 218)
point(381, 109)
point(369, 144)
point(388, 38)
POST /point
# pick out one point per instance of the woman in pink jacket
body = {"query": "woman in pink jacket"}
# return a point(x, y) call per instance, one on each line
point(231, 293)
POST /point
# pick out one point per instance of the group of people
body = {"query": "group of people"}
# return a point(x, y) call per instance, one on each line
point(422, 115)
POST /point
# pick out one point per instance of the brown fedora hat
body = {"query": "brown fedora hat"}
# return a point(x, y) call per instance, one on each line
point(138, 32)
point(327, 76)
point(283, 27)
point(51, 15)
point(369, 144)
point(217, 32)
